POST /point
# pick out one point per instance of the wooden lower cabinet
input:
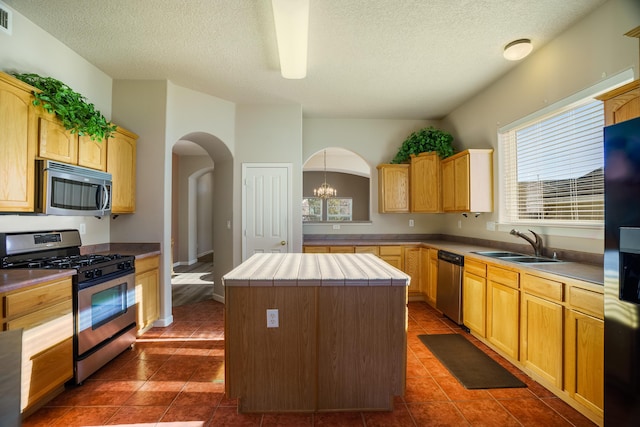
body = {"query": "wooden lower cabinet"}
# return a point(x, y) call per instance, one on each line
point(474, 301)
point(503, 310)
point(412, 268)
point(315, 249)
point(393, 255)
point(44, 313)
point(541, 338)
point(147, 292)
point(584, 360)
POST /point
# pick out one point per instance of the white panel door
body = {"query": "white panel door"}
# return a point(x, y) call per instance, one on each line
point(266, 210)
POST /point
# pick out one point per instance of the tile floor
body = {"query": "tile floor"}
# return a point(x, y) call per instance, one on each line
point(174, 376)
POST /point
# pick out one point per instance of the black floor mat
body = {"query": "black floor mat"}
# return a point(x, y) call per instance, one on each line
point(470, 365)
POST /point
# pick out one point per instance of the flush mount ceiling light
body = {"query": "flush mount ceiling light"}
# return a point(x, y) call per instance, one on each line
point(291, 19)
point(325, 190)
point(518, 49)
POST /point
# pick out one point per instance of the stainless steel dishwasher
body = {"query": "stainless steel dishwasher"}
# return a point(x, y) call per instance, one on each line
point(449, 292)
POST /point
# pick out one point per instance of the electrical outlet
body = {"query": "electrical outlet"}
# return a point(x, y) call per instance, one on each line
point(83, 228)
point(272, 318)
point(411, 223)
point(336, 226)
point(459, 224)
point(491, 226)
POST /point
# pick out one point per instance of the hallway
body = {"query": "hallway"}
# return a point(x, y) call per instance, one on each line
point(192, 283)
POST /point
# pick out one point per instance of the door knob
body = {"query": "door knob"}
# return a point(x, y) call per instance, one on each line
point(283, 243)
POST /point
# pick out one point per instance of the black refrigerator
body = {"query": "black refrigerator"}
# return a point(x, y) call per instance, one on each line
point(622, 274)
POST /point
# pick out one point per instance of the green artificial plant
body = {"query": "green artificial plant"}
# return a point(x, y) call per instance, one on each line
point(424, 140)
point(77, 115)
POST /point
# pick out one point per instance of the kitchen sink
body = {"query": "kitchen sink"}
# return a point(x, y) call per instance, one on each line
point(530, 259)
point(516, 257)
point(498, 254)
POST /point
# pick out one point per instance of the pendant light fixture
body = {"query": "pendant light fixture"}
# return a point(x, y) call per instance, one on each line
point(325, 190)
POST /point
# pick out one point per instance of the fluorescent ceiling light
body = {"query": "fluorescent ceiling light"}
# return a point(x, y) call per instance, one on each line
point(518, 49)
point(292, 28)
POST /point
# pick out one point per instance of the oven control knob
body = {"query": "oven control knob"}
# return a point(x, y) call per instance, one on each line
point(97, 272)
point(88, 274)
point(125, 265)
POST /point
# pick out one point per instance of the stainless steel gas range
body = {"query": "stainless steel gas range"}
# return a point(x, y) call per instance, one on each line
point(103, 292)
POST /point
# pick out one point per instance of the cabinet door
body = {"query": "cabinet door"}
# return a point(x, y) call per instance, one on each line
point(425, 183)
point(584, 360)
point(541, 338)
point(121, 164)
point(55, 142)
point(147, 298)
point(448, 185)
point(461, 183)
point(412, 268)
point(92, 153)
point(474, 302)
point(502, 317)
point(433, 277)
point(393, 188)
point(18, 140)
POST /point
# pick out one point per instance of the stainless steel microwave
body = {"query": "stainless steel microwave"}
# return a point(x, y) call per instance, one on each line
point(63, 189)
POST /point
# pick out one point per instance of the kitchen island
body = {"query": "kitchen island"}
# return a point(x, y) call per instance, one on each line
point(336, 340)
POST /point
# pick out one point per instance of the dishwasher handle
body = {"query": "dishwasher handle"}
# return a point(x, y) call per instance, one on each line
point(451, 257)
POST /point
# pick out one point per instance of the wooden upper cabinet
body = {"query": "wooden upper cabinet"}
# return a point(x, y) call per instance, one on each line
point(393, 188)
point(92, 153)
point(18, 140)
point(425, 183)
point(54, 141)
point(621, 104)
point(467, 181)
point(121, 164)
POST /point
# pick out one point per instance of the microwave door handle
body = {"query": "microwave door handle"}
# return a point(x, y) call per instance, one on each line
point(105, 197)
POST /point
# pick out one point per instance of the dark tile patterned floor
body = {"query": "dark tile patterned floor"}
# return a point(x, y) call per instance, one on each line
point(174, 376)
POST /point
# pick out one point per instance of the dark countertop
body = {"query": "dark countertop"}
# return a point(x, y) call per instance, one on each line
point(588, 272)
point(16, 278)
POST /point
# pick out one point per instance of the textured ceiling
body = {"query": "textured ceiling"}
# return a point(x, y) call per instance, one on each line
point(409, 59)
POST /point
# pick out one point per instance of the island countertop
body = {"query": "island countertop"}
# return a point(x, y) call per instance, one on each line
point(296, 269)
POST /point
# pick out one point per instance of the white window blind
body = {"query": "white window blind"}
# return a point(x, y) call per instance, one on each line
point(553, 168)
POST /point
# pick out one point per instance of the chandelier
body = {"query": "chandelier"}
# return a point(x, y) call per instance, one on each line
point(325, 190)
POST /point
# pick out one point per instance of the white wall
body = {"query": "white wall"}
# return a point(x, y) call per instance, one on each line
point(582, 56)
point(376, 141)
point(29, 49)
point(269, 134)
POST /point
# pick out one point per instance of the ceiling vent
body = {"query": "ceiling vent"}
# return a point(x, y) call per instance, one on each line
point(5, 19)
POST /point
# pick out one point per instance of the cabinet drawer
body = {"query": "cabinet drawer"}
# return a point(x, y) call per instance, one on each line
point(475, 267)
point(40, 317)
point(146, 264)
point(367, 250)
point(341, 249)
point(548, 289)
point(500, 275)
point(35, 298)
point(315, 249)
point(390, 250)
point(588, 302)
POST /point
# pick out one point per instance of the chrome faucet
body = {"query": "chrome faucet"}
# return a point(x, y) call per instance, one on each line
point(537, 244)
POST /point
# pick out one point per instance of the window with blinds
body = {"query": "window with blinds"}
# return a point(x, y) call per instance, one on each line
point(553, 168)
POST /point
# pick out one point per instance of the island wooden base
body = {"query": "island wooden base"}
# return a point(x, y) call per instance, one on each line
point(337, 348)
